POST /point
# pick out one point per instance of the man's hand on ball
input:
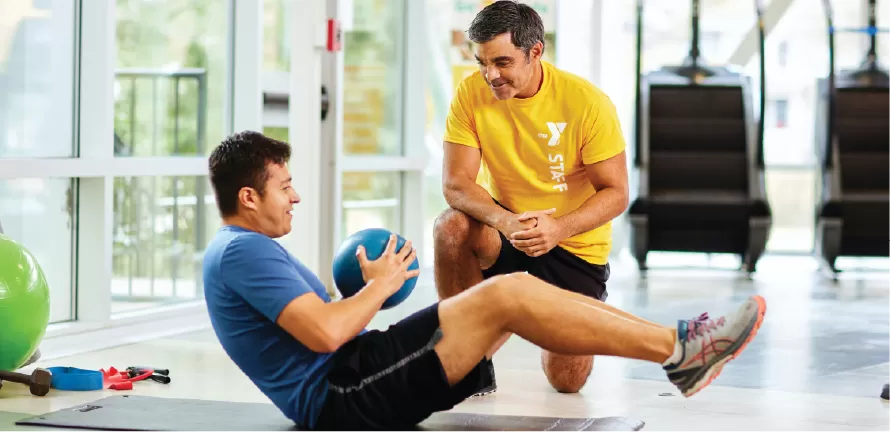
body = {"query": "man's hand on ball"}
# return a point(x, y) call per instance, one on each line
point(539, 240)
point(391, 267)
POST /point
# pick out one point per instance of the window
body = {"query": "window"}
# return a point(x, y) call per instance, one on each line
point(39, 214)
point(372, 77)
point(171, 77)
point(82, 81)
point(170, 96)
point(276, 51)
point(37, 53)
point(161, 227)
point(371, 199)
point(36, 78)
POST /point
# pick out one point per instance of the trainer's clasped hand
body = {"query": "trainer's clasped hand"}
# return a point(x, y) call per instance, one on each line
point(540, 239)
point(511, 224)
point(391, 268)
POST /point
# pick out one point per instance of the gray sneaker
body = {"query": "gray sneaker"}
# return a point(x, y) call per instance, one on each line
point(707, 345)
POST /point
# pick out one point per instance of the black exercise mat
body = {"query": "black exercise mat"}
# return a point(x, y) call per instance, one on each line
point(133, 412)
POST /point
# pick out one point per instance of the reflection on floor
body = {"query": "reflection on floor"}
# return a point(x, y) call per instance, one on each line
point(819, 363)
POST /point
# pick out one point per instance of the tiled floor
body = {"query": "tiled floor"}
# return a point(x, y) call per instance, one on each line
point(818, 364)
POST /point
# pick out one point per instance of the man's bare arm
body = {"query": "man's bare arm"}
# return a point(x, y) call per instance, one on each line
point(324, 327)
point(460, 168)
point(609, 178)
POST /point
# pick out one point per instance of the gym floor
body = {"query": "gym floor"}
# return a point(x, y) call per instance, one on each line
point(819, 362)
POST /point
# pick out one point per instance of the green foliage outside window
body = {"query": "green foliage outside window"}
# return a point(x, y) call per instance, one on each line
point(160, 221)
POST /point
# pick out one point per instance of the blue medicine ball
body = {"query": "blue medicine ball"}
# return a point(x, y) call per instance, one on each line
point(348, 273)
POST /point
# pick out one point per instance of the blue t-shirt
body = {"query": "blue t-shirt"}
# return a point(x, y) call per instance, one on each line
point(248, 280)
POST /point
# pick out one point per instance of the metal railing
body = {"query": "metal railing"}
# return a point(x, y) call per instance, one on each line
point(137, 253)
point(177, 76)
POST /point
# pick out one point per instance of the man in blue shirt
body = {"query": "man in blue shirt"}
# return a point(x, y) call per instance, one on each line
point(319, 365)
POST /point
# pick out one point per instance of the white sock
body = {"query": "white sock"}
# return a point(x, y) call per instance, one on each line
point(676, 356)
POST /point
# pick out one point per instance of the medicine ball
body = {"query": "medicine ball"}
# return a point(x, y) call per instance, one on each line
point(348, 272)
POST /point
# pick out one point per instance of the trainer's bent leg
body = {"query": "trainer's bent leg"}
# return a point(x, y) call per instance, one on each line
point(551, 318)
point(463, 248)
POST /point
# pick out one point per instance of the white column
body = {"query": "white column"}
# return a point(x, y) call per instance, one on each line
point(414, 123)
point(331, 154)
point(578, 36)
point(581, 28)
point(246, 69)
point(95, 219)
point(94, 249)
point(596, 42)
point(304, 124)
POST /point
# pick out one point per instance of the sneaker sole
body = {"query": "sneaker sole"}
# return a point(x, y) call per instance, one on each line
point(486, 392)
point(714, 371)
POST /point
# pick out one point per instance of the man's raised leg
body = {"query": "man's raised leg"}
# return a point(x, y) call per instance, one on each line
point(569, 374)
point(572, 324)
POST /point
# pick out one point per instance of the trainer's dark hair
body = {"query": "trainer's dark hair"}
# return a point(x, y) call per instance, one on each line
point(508, 16)
point(240, 161)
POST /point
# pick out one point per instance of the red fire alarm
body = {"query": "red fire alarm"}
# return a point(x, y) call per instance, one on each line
point(333, 39)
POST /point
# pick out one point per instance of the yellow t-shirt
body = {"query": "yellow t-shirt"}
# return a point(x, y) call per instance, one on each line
point(534, 149)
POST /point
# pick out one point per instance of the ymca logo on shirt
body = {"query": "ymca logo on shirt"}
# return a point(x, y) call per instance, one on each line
point(557, 166)
point(555, 132)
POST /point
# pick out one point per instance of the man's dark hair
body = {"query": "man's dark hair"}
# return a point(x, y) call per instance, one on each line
point(240, 161)
point(508, 16)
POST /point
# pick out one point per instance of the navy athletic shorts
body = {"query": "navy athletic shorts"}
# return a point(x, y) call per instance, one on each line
point(393, 379)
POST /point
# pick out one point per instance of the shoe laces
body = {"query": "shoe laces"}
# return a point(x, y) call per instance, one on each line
point(704, 324)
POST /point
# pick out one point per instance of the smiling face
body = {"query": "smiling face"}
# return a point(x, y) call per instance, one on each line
point(272, 211)
point(252, 183)
point(507, 70)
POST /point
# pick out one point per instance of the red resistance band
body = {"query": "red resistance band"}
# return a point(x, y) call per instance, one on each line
point(121, 380)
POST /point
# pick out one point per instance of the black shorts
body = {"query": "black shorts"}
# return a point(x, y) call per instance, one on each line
point(393, 379)
point(558, 267)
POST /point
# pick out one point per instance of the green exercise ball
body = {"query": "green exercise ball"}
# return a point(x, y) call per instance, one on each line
point(24, 304)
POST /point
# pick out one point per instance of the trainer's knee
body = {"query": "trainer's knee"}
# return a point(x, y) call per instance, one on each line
point(566, 374)
point(452, 227)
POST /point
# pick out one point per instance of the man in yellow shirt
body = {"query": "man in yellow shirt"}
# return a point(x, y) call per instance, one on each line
point(534, 172)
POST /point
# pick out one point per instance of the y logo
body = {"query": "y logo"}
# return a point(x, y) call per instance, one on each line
point(555, 132)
